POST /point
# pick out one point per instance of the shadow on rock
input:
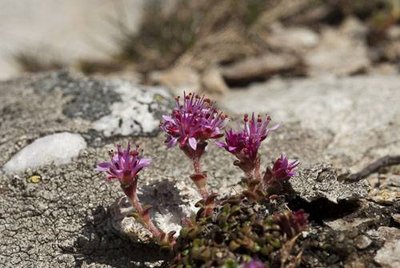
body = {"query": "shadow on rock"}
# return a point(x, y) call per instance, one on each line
point(99, 243)
point(165, 198)
point(323, 209)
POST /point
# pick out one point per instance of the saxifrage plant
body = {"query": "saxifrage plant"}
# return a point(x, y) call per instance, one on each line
point(250, 229)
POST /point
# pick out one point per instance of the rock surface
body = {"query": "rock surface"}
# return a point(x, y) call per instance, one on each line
point(341, 52)
point(58, 215)
point(356, 119)
point(389, 254)
point(65, 30)
point(297, 39)
point(328, 185)
point(177, 79)
point(54, 215)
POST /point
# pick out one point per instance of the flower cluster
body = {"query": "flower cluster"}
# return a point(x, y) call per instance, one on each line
point(283, 169)
point(281, 172)
point(124, 165)
point(244, 144)
point(190, 125)
point(192, 122)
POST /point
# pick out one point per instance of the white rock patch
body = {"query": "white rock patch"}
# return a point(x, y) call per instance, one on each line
point(132, 115)
point(167, 222)
point(57, 148)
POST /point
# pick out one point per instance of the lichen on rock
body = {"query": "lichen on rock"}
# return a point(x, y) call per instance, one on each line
point(323, 181)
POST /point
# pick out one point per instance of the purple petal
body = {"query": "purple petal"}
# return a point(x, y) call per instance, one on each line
point(220, 144)
point(294, 163)
point(231, 148)
point(141, 164)
point(193, 143)
point(254, 263)
point(118, 173)
point(168, 118)
point(104, 166)
point(145, 162)
point(275, 127)
point(171, 142)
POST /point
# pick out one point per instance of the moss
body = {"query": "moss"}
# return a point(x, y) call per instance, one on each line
point(237, 231)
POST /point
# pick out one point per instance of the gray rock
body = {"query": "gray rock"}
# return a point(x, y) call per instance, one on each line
point(362, 241)
point(260, 66)
point(387, 188)
point(60, 102)
point(298, 39)
point(178, 79)
point(384, 197)
point(46, 150)
point(344, 225)
point(321, 181)
point(57, 215)
point(396, 218)
point(340, 52)
point(389, 255)
point(67, 31)
point(354, 120)
point(171, 202)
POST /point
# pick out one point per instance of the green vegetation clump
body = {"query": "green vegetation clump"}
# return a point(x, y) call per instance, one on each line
point(164, 35)
point(240, 230)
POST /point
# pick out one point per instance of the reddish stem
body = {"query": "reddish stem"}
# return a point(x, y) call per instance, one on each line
point(257, 173)
point(249, 175)
point(199, 177)
point(144, 215)
point(196, 165)
point(130, 192)
point(201, 185)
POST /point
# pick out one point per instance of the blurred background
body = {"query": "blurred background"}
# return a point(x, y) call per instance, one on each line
point(204, 45)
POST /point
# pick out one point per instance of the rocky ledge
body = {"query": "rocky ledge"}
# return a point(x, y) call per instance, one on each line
point(56, 209)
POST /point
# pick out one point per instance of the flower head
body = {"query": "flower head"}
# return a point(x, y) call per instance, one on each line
point(283, 169)
point(194, 121)
point(244, 144)
point(124, 165)
point(254, 263)
point(300, 218)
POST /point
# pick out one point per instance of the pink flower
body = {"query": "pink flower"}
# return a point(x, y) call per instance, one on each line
point(300, 218)
point(194, 121)
point(283, 169)
point(124, 165)
point(244, 144)
point(254, 263)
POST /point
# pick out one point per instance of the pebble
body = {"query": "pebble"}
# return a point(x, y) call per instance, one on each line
point(362, 241)
point(389, 254)
point(396, 218)
point(384, 197)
